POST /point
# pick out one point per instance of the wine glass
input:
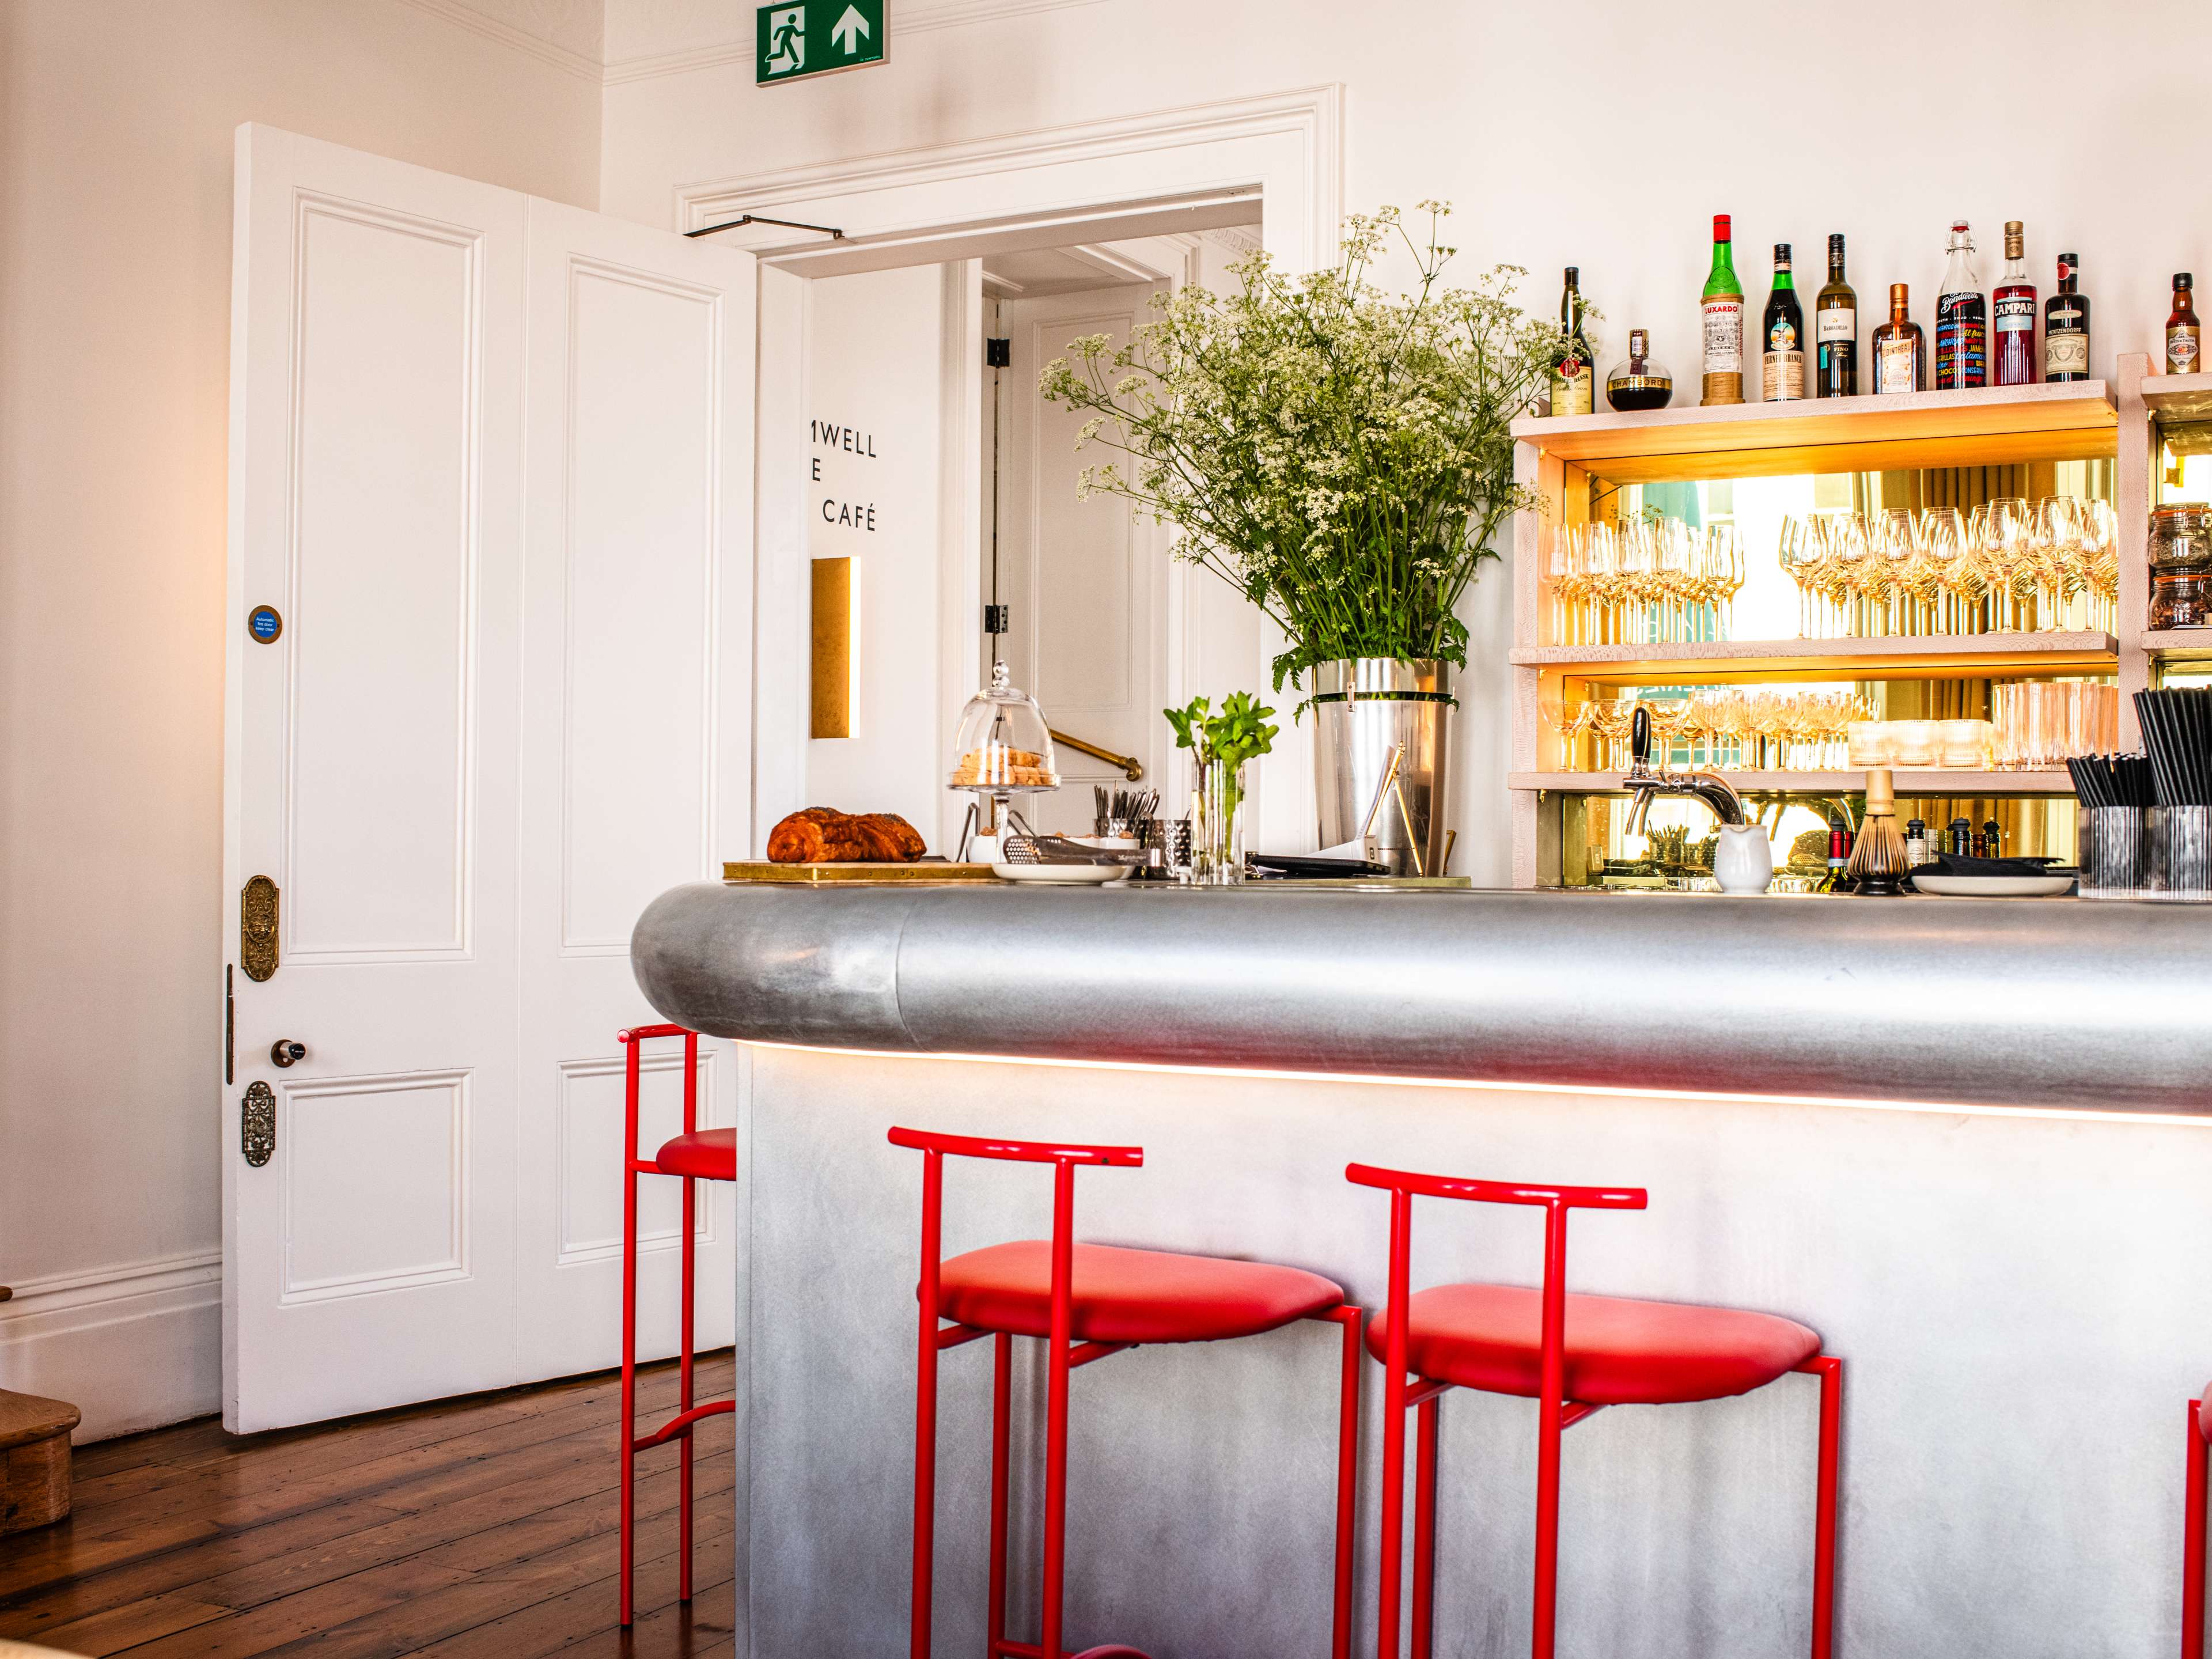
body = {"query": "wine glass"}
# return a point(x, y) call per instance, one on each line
point(1561, 568)
point(1724, 574)
point(1846, 561)
point(1892, 542)
point(1943, 544)
point(1601, 544)
point(2100, 561)
point(1793, 551)
point(2055, 549)
point(2006, 561)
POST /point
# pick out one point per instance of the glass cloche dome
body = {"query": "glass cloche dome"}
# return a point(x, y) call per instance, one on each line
point(1004, 747)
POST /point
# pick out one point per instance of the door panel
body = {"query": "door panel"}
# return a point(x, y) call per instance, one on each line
point(1086, 581)
point(636, 747)
point(390, 322)
point(491, 458)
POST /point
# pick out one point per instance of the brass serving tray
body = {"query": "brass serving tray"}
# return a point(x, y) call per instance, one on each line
point(818, 875)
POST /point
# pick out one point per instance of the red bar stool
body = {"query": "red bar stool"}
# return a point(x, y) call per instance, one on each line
point(696, 1155)
point(1575, 1355)
point(1086, 1302)
point(2192, 1530)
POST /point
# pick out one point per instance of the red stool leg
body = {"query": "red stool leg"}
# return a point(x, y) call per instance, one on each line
point(2192, 1544)
point(1347, 1481)
point(925, 1406)
point(1388, 1589)
point(683, 1375)
point(1551, 1407)
point(1425, 1529)
point(1055, 1440)
point(1830, 1371)
point(629, 1331)
point(1001, 1419)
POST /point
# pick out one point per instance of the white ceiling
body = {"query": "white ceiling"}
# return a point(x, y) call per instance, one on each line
point(1038, 273)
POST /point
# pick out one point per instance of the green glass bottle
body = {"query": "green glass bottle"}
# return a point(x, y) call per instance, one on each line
point(1723, 312)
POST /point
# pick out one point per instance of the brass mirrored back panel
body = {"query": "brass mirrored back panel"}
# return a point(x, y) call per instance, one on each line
point(257, 928)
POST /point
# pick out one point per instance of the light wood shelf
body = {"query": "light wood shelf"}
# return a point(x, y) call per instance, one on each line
point(1906, 657)
point(2177, 397)
point(1913, 780)
point(1985, 426)
point(2178, 644)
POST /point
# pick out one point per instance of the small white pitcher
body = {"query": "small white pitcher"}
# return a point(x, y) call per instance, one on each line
point(1743, 860)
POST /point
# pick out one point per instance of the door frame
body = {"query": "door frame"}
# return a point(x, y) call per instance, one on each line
point(1190, 169)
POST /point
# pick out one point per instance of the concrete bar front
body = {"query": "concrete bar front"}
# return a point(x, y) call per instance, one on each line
point(1965, 1141)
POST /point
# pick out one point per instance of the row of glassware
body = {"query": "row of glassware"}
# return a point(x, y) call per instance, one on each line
point(2007, 566)
point(2034, 727)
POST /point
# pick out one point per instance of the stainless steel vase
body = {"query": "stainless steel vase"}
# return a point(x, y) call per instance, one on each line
point(1366, 711)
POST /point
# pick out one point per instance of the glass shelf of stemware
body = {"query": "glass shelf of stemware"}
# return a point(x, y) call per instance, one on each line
point(1916, 656)
point(1912, 781)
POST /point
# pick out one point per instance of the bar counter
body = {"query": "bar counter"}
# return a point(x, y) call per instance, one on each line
point(1964, 1140)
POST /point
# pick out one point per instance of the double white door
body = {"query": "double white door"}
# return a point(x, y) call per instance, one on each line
point(489, 659)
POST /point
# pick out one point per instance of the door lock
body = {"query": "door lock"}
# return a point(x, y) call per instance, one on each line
point(285, 1052)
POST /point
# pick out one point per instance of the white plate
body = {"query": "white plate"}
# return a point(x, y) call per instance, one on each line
point(1993, 886)
point(1062, 875)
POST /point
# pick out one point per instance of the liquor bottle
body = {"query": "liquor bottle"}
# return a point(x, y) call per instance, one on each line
point(1839, 857)
point(2181, 341)
point(1782, 354)
point(1574, 377)
point(2066, 325)
point(1836, 330)
point(1723, 314)
point(1899, 348)
point(1640, 382)
point(2012, 315)
point(1962, 317)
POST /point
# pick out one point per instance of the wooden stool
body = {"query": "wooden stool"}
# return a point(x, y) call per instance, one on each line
point(34, 1461)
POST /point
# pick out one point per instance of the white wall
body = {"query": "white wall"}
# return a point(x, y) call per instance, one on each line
point(875, 345)
point(115, 223)
point(2072, 119)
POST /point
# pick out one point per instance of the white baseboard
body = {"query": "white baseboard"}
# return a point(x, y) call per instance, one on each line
point(133, 1345)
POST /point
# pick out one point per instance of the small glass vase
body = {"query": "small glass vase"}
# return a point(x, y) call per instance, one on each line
point(1216, 832)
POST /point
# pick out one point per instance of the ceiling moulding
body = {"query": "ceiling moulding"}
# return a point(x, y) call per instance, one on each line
point(917, 18)
point(582, 65)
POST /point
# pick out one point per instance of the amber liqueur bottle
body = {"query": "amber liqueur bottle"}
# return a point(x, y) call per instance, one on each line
point(2066, 325)
point(2183, 355)
point(1836, 330)
point(1899, 348)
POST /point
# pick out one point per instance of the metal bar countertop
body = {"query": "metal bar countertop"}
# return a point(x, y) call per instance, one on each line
point(2055, 1003)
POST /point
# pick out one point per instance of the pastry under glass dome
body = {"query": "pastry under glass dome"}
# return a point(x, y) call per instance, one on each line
point(1004, 746)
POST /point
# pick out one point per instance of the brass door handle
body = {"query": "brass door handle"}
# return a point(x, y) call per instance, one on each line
point(285, 1052)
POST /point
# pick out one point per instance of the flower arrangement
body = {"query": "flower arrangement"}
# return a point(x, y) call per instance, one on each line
point(1342, 456)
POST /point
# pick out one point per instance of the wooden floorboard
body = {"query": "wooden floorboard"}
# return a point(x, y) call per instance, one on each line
point(481, 1527)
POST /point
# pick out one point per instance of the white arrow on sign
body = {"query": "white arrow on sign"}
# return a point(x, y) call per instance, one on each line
point(850, 29)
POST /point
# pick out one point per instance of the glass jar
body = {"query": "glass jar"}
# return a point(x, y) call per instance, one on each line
point(2181, 566)
point(1217, 831)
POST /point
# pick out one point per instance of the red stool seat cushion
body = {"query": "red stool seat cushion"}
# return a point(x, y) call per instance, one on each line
point(707, 1155)
point(1620, 1352)
point(1128, 1296)
point(2204, 1412)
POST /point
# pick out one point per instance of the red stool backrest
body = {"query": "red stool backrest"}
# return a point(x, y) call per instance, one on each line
point(1404, 1186)
point(633, 1042)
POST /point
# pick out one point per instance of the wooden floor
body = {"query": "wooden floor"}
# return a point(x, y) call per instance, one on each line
point(478, 1528)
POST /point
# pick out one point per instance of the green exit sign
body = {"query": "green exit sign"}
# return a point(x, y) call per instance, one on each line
point(799, 38)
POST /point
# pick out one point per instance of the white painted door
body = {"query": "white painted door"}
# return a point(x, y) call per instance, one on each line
point(1087, 583)
point(421, 759)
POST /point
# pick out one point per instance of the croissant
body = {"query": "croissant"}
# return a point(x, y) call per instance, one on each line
point(822, 834)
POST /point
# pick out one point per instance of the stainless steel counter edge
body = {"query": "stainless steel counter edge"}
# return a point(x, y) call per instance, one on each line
point(2020, 1003)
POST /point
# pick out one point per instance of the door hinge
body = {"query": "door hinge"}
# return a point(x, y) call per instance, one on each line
point(995, 619)
point(257, 1123)
point(257, 928)
point(999, 354)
